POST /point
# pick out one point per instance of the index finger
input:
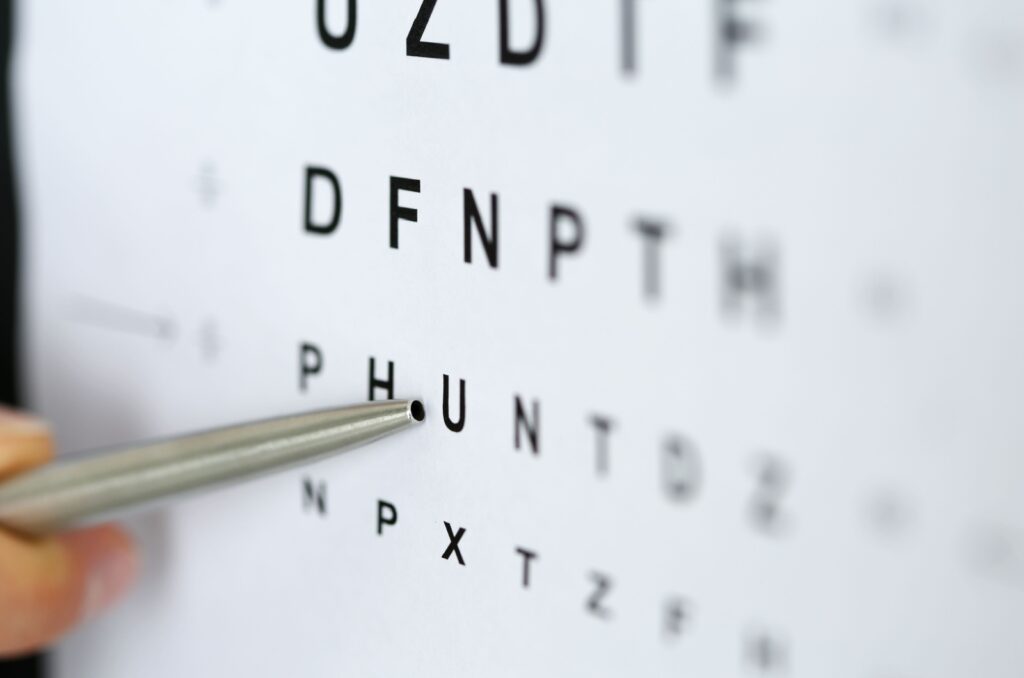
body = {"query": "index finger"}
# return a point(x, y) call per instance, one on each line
point(25, 442)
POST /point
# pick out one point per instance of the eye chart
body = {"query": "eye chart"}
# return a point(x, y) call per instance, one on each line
point(715, 307)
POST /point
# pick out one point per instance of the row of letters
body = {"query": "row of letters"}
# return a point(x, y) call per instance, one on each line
point(681, 468)
point(762, 650)
point(750, 278)
point(519, 46)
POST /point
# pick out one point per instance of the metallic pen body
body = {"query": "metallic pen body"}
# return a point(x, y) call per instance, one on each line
point(77, 491)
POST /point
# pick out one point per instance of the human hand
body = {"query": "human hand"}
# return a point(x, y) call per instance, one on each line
point(47, 585)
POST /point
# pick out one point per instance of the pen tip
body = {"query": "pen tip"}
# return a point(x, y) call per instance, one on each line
point(416, 410)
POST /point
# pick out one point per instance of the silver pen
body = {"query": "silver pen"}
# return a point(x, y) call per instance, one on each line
point(82, 489)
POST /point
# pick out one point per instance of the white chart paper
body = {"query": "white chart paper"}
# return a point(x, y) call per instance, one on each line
point(738, 348)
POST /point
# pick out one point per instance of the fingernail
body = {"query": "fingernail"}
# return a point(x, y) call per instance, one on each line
point(110, 564)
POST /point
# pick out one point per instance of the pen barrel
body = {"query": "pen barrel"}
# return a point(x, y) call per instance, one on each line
point(80, 491)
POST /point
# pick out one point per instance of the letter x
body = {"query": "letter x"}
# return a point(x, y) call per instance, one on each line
point(453, 543)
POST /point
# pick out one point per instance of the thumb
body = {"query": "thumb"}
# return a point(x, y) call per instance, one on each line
point(48, 585)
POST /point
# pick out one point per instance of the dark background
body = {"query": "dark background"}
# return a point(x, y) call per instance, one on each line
point(31, 667)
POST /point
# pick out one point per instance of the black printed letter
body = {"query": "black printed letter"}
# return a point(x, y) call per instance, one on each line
point(515, 57)
point(603, 426)
point(311, 361)
point(532, 429)
point(453, 543)
point(765, 651)
point(399, 213)
point(527, 557)
point(680, 469)
point(471, 217)
point(335, 41)
point(652, 233)
point(387, 384)
point(414, 44)
point(731, 32)
point(454, 426)
point(628, 36)
point(772, 475)
point(387, 514)
point(595, 603)
point(314, 496)
point(332, 223)
point(677, 613)
point(559, 245)
point(750, 276)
